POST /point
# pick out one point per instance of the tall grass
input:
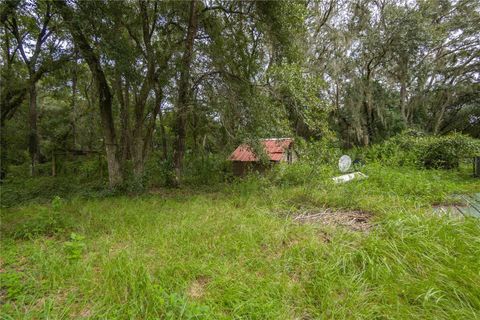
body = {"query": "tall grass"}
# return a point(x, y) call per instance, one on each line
point(232, 253)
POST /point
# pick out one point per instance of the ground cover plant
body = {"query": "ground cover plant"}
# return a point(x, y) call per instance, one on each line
point(413, 148)
point(121, 197)
point(237, 251)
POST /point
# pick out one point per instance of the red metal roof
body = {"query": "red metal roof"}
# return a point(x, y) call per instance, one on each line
point(273, 147)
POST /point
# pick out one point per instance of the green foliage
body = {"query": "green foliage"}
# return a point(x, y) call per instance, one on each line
point(317, 160)
point(411, 148)
point(284, 22)
point(132, 184)
point(90, 169)
point(75, 247)
point(128, 281)
point(178, 307)
point(237, 253)
point(11, 283)
point(199, 170)
point(297, 89)
point(325, 151)
point(18, 190)
point(291, 175)
point(159, 171)
point(46, 222)
point(250, 185)
point(206, 170)
point(447, 151)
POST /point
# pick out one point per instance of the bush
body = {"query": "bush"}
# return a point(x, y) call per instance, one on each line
point(92, 168)
point(75, 246)
point(198, 170)
point(447, 151)
point(158, 171)
point(207, 170)
point(293, 174)
point(16, 191)
point(325, 151)
point(416, 149)
point(46, 222)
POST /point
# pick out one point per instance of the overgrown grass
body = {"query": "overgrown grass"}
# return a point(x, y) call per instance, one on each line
point(233, 253)
point(20, 190)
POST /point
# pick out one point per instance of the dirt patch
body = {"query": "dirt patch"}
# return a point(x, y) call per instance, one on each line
point(197, 288)
point(86, 313)
point(118, 248)
point(324, 237)
point(353, 220)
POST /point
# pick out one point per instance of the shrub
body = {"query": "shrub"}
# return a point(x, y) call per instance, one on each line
point(19, 190)
point(208, 169)
point(92, 168)
point(324, 151)
point(317, 159)
point(19, 171)
point(46, 222)
point(75, 247)
point(447, 151)
point(198, 170)
point(158, 171)
point(416, 149)
point(291, 174)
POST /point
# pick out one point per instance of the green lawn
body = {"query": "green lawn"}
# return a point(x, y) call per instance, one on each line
point(236, 252)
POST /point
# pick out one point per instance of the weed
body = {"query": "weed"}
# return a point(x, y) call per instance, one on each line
point(75, 246)
point(45, 222)
point(414, 149)
point(186, 254)
point(11, 283)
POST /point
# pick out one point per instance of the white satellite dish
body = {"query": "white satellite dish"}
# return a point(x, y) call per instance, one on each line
point(344, 163)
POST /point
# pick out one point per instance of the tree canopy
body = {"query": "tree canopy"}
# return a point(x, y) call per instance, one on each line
point(125, 78)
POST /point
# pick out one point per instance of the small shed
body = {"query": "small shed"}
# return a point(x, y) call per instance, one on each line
point(278, 150)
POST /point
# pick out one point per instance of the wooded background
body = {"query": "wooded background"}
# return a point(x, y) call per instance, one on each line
point(136, 79)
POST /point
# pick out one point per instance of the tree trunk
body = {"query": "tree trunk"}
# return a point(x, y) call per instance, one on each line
point(164, 136)
point(137, 156)
point(158, 101)
point(194, 125)
point(369, 118)
point(184, 94)
point(444, 101)
point(402, 77)
point(337, 96)
point(403, 101)
point(124, 101)
point(115, 176)
point(3, 153)
point(143, 144)
point(126, 123)
point(33, 135)
point(74, 104)
point(438, 118)
point(143, 126)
